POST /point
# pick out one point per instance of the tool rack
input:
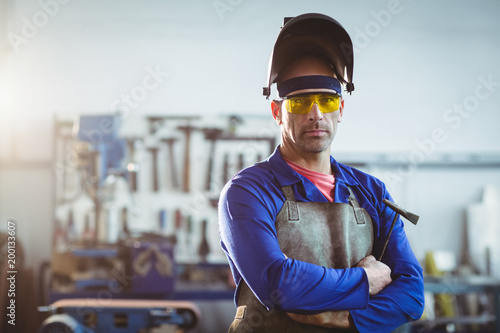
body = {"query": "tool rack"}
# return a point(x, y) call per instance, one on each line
point(155, 178)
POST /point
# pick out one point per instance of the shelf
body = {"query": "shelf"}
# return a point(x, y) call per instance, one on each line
point(420, 159)
point(479, 320)
point(463, 285)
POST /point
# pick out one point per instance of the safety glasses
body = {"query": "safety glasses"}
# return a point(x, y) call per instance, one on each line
point(302, 104)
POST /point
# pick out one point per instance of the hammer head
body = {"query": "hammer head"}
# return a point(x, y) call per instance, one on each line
point(413, 218)
point(212, 133)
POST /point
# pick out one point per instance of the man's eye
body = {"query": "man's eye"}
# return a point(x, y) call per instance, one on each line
point(326, 100)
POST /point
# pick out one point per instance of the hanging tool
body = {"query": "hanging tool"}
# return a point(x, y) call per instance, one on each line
point(241, 162)
point(171, 159)
point(187, 129)
point(88, 234)
point(162, 221)
point(59, 241)
point(125, 231)
point(163, 228)
point(177, 225)
point(211, 134)
point(71, 235)
point(154, 162)
point(413, 218)
point(132, 166)
point(63, 132)
point(203, 248)
point(225, 169)
point(155, 122)
point(189, 236)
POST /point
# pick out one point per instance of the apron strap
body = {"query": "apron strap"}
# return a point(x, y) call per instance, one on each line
point(358, 211)
point(293, 210)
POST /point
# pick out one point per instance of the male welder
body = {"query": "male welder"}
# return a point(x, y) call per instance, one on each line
point(302, 231)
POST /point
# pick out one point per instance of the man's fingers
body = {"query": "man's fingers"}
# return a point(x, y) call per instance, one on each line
point(366, 261)
point(328, 319)
point(378, 274)
point(298, 317)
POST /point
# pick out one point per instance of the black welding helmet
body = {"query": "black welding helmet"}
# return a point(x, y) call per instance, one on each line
point(312, 34)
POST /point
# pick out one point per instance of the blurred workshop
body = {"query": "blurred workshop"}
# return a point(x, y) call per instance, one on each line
point(121, 122)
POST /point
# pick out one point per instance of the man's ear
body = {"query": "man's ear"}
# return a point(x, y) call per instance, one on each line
point(276, 110)
point(341, 110)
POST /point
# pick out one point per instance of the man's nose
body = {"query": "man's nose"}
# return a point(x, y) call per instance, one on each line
point(315, 113)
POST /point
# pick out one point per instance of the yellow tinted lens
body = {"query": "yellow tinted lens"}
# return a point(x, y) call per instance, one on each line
point(299, 105)
point(327, 102)
point(302, 104)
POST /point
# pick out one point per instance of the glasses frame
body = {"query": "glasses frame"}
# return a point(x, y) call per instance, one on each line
point(289, 98)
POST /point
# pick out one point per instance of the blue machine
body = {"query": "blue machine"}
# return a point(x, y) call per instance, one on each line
point(118, 316)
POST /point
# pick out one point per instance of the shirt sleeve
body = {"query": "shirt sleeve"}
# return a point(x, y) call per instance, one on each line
point(403, 299)
point(247, 215)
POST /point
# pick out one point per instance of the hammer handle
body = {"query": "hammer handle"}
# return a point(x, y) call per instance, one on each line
point(388, 237)
point(208, 181)
point(154, 162)
point(187, 165)
point(173, 169)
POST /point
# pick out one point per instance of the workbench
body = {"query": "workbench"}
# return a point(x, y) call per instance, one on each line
point(464, 285)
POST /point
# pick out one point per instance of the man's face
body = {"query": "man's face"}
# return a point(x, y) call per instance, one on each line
point(312, 132)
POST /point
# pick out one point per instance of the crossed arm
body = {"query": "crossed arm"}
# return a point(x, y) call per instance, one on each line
point(379, 276)
point(260, 262)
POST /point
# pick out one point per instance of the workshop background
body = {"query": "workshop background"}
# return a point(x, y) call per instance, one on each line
point(120, 121)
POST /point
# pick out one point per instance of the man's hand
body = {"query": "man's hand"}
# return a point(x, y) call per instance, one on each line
point(328, 319)
point(378, 273)
point(379, 276)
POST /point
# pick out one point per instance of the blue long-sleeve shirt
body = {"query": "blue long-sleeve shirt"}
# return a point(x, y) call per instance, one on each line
point(248, 207)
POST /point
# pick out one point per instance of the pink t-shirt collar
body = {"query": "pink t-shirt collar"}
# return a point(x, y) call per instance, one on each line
point(325, 183)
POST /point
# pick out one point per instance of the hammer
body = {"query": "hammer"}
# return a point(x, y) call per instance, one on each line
point(211, 134)
point(225, 169)
point(173, 170)
point(203, 248)
point(155, 123)
point(132, 167)
point(154, 153)
point(187, 131)
point(413, 218)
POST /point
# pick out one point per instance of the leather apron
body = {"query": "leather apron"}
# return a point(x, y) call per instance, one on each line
point(329, 234)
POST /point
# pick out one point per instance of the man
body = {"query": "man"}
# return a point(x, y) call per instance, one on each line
point(300, 230)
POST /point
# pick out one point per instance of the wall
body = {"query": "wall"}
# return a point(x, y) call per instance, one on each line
point(420, 66)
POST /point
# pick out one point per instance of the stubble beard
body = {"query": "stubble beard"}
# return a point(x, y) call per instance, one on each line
point(315, 145)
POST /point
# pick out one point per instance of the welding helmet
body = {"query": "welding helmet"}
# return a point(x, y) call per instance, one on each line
point(317, 35)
